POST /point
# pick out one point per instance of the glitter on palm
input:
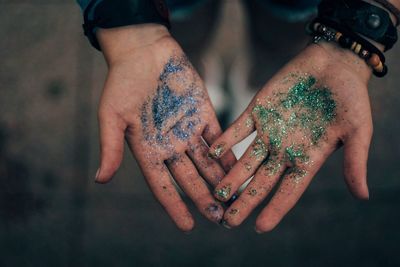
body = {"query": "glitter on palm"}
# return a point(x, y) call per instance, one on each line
point(167, 105)
point(306, 110)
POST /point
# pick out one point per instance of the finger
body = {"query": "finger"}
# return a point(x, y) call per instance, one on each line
point(194, 186)
point(211, 133)
point(238, 131)
point(112, 129)
point(164, 190)
point(294, 183)
point(208, 167)
point(242, 171)
point(256, 191)
point(355, 163)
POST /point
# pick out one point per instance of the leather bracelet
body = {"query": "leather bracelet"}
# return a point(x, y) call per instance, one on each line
point(361, 17)
point(116, 13)
point(392, 9)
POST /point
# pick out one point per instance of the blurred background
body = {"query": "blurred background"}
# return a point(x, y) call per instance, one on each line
point(53, 214)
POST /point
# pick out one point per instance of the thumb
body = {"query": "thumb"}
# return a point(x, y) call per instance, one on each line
point(356, 149)
point(112, 129)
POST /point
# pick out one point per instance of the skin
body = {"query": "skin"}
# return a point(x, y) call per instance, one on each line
point(295, 159)
point(155, 100)
point(136, 56)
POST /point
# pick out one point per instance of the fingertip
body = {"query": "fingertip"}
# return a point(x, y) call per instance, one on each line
point(222, 192)
point(225, 225)
point(106, 173)
point(217, 150)
point(100, 178)
point(229, 222)
point(215, 212)
point(361, 192)
point(96, 177)
point(264, 226)
point(186, 225)
point(358, 187)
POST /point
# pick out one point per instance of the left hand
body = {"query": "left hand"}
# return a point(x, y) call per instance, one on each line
point(316, 103)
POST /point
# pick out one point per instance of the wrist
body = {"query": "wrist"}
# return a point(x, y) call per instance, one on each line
point(334, 54)
point(117, 42)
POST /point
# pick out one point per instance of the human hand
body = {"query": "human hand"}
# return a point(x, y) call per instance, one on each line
point(154, 99)
point(312, 106)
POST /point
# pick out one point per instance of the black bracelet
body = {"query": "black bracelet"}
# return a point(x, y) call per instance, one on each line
point(361, 17)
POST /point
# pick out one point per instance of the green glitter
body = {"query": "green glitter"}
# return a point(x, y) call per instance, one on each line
point(249, 122)
point(306, 109)
point(296, 174)
point(223, 192)
point(259, 150)
point(304, 106)
point(272, 165)
point(294, 152)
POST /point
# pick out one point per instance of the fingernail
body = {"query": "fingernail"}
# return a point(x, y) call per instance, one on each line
point(215, 212)
point(224, 192)
point(217, 151)
point(225, 224)
point(97, 175)
point(257, 231)
point(210, 155)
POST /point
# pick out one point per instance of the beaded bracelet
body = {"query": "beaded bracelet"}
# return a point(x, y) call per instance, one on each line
point(375, 59)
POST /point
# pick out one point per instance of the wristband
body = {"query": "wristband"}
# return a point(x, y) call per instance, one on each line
point(361, 17)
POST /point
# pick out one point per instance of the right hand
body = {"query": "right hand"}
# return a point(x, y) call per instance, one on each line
point(312, 106)
point(155, 99)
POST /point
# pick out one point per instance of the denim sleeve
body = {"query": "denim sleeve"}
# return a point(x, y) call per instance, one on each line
point(84, 4)
point(291, 10)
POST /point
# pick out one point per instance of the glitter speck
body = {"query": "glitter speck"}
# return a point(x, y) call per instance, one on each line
point(260, 150)
point(223, 192)
point(252, 192)
point(248, 166)
point(249, 122)
point(218, 151)
point(233, 211)
point(295, 152)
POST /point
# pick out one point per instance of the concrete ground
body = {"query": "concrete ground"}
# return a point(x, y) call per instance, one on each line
point(52, 213)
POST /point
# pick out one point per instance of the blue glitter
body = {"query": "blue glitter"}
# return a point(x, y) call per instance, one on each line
point(167, 105)
point(190, 112)
point(170, 68)
point(180, 132)
point(183, 132)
